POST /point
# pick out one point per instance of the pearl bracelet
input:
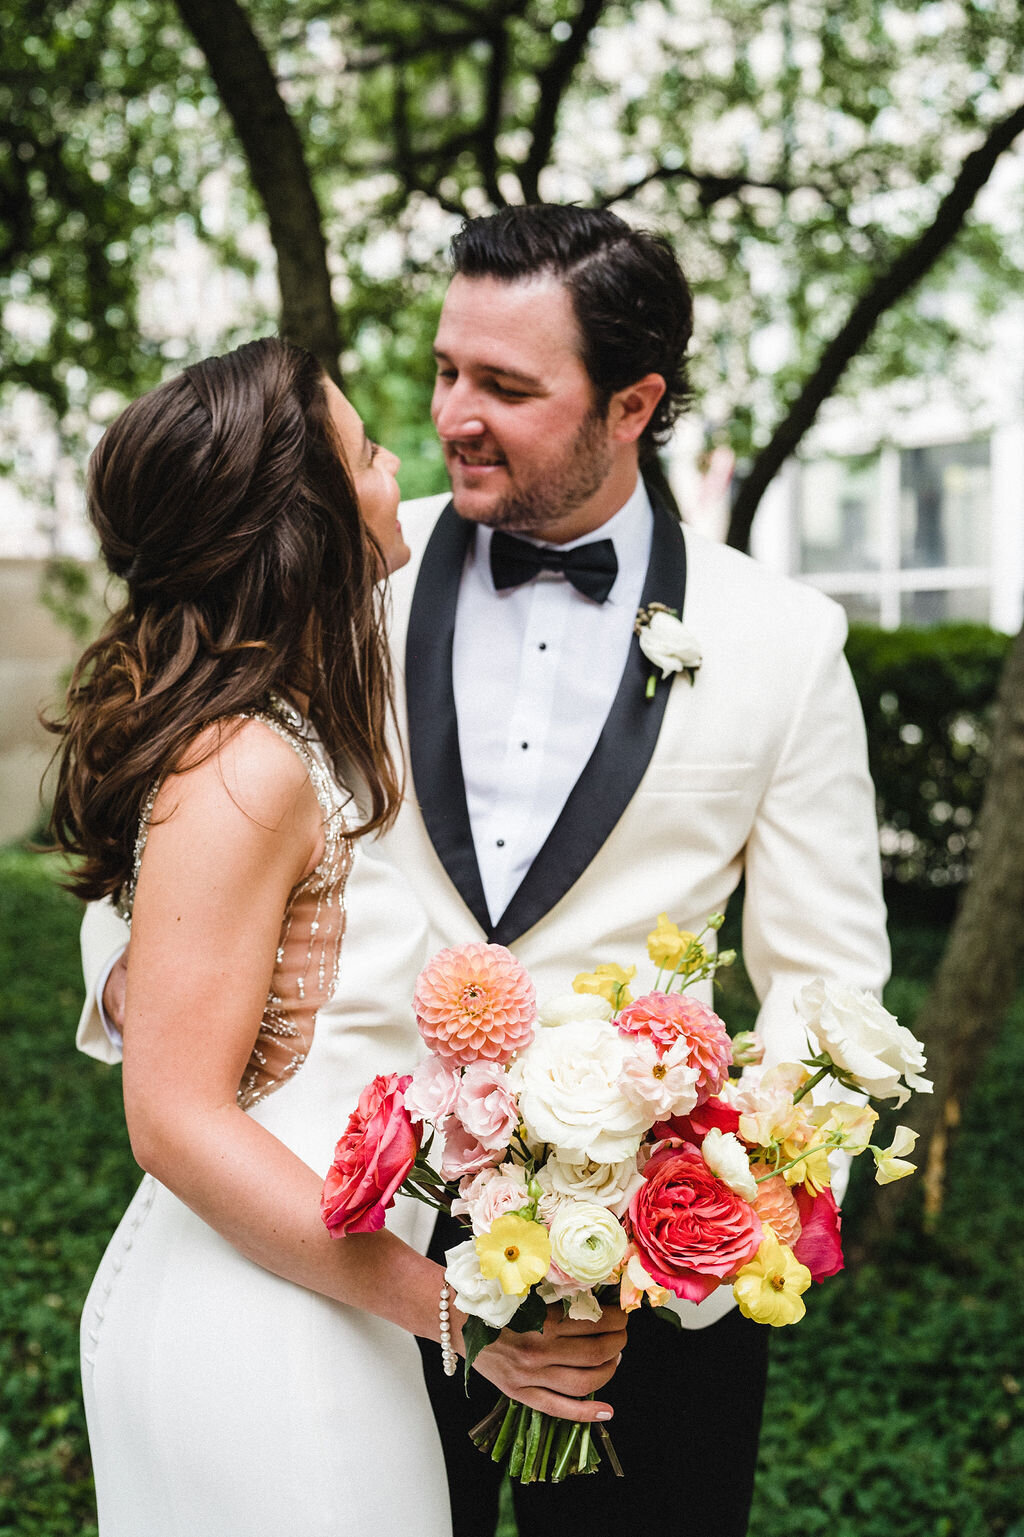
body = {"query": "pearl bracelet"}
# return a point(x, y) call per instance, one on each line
point(449, 1360)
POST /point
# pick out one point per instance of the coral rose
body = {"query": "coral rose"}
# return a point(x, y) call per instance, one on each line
point(475, 1002)
point(371, 1160)
point(691, 1231)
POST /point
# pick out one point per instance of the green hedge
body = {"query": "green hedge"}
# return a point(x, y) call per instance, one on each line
point(927, 697)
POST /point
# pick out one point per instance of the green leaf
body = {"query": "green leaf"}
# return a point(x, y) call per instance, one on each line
point(476, 1336)
point(669, 1316)
point(530, 1315)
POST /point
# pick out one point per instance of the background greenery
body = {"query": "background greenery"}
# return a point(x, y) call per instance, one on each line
point(894, 1410)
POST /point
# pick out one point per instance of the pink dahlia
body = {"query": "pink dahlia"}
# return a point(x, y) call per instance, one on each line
point(475, 1002)
point(667, 1018)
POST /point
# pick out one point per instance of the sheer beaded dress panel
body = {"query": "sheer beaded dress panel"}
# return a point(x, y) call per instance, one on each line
point(308, 957)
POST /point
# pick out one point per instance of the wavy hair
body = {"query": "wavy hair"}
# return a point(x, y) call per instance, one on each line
point(223, 499)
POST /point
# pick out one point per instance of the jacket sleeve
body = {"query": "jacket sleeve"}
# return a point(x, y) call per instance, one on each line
point(813, 903)
point(104, 935)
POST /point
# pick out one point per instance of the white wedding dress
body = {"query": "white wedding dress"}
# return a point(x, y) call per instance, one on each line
point(221, 1400)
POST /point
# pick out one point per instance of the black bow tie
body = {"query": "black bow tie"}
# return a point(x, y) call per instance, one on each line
point(591, 568)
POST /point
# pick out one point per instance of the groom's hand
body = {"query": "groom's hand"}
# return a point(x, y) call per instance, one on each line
point(556, 1370)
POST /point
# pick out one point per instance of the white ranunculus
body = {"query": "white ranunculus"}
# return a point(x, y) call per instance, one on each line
point(587, 1242)
point(665, 641)
point(609, 1184)
point(569, 1095)
point(570, 1008)
point(474, 1293)
point(866, 1043)
point(726, 1157)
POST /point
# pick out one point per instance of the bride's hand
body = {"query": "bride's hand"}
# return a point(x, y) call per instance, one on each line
point(555, 1370)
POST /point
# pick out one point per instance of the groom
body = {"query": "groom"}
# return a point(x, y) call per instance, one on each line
point(557, 809)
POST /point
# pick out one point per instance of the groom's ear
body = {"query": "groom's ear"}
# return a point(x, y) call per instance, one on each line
point(629, 410)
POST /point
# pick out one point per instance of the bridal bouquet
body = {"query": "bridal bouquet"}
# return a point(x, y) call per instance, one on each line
point(600, 1143)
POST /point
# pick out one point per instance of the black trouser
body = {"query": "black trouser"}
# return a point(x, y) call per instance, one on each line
point(687, 1417)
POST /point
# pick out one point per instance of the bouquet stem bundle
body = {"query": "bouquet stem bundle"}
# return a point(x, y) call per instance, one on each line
point(538, 1448)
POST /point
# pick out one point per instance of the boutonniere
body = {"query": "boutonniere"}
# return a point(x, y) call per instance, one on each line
point(665, 641)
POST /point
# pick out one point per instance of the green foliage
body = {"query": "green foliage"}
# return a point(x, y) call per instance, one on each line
point(927, 697)
point(895, 1409)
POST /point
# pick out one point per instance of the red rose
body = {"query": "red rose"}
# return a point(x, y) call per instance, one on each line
point(691, 1231)
point(375, 1154)
point(694, 1127)
point(818, 1246)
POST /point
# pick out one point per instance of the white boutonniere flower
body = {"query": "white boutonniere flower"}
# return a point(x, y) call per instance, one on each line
point(667, 643)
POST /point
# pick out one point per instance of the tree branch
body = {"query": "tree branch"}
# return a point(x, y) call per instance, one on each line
point(712, 189)
point(892, 285)
point(554, 80)
point(277, 165)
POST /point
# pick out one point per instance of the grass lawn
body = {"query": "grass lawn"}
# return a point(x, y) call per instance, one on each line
point(896, 1409)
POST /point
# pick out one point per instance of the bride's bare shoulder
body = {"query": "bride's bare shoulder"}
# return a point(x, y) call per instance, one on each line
point(241, 767)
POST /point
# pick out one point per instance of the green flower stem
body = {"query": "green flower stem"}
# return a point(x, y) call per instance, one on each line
point(652, 683)
point(534, 1436)
point(810, 1152)
point(565, 1452)
point(518, 1452)
point(549, 1436)
point(507, 1431)
point(584, 1449)
point(812, 1083)
point(609, 1451)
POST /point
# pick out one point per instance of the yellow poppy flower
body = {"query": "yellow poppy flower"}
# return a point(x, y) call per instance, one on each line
point(607, 982)
point(768, 1289)
point(515, 1252)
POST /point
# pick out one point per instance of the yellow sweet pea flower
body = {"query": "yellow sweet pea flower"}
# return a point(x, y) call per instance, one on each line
point(515, 1252)
point(812, 1171)
point(768, 1289)
point(846, 1126)
point(666, 944)
point(889, 1162)
point(608, 982)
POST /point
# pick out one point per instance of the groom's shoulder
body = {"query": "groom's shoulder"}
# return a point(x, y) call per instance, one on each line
point(744, 593)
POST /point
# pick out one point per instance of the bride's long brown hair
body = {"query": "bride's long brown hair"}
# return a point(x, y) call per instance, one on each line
point(223, 499)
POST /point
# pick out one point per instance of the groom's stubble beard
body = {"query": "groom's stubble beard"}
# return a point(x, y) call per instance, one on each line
point(540, 505)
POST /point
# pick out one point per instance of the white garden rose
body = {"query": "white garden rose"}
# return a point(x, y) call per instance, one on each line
point(866, 1043)
point(665, 641)
point(571, 1008)
point(569, 1096)
point(725, 1156)
point(608, 1184)
point(587, 1242)
point(474, 1294)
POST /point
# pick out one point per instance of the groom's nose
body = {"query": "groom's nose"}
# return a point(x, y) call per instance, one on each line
point(456, 413)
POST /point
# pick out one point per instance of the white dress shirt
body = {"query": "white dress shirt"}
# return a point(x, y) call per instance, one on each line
point(535, 670)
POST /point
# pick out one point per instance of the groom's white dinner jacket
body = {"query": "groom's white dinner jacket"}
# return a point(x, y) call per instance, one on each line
point(758, 769)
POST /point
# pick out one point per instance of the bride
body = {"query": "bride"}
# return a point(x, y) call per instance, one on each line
point(223, 767)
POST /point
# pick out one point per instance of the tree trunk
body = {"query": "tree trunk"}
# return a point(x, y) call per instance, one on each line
point(981, 965)
point(912, 264)
point(277, 165)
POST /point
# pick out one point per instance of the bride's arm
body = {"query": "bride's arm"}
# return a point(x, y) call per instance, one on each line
point(229, 840)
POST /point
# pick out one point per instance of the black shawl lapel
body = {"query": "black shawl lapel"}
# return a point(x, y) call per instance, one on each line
point(617, 764)
point(433, 725)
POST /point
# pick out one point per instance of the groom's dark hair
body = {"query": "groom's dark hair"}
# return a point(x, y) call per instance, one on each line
point(630, 298)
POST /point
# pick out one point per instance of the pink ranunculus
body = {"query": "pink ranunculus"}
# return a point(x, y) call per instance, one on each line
point(433, 1091)
point(713, 1113)
point(691, 1231)
point(371, 1160)
point(819, 1246)
point(486, 1106)
point(486, 1196)
point(463, 1154)
point(669, 1017)
point(473, 1002)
